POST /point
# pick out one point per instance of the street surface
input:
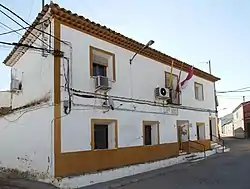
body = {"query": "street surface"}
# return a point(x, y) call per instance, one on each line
point(221, 171)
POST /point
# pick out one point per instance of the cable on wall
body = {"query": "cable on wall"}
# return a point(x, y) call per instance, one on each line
point(136, 101)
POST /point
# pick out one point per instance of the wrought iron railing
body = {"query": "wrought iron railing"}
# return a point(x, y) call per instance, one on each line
point(198, 149)
point(219, 141)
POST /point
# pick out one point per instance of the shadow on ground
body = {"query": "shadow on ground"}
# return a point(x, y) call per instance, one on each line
point(222, 171)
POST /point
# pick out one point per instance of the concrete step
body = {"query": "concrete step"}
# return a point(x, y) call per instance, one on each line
point(182, 153)
point(190, 156)
point(196, 159)
point(215, 145)
point(220, 150)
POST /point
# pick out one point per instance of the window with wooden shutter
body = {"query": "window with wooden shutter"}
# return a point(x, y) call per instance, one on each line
point(102, 63)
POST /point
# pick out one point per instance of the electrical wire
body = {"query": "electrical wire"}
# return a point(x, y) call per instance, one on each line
point(85, 94)
point(12, 31)
point(29, 46)
point(6, 8)
point(25, 111)
point(223, 92)
point(67, 110)
point(33, 2)
point(22, 26)
point(235, 90)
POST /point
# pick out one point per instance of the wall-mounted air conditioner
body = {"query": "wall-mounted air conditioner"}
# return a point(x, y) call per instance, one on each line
point(102, 83)
point(162, 93)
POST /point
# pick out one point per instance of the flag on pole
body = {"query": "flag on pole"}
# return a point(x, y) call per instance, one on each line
point(190, 74)
point(171, 75)
point(178, 87)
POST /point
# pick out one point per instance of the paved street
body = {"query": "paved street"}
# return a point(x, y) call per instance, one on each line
point(223, 171)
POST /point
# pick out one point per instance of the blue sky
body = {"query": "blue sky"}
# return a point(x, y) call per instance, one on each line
point(193, 31)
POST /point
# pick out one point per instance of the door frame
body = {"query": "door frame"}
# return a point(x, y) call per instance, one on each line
point(198, 124)
point(179, 135)
point(213, 129)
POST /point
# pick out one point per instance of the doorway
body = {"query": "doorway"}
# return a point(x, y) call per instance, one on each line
point(200, 130)
point(212, 129)
point(183, 134)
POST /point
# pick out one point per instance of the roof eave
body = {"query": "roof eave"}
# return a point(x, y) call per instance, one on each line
point(15, 52)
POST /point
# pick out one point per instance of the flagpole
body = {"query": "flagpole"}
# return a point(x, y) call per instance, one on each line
point(215, 97)
point(171, 74)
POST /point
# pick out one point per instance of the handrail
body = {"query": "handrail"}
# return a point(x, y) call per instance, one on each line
point(203, 146)
point(220, 141)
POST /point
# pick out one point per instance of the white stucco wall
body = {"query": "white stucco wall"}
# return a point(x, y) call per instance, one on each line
point(36, 73)
point(238, 121)
point(5, 98)
point(227, 130)
point(26, 138)
point(146, 74)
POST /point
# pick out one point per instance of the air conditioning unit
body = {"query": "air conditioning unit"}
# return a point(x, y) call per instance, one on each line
point(162, 93)
point(16, 85)
point(102, 83)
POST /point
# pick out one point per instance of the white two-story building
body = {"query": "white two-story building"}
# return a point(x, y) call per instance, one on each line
point(82, 105)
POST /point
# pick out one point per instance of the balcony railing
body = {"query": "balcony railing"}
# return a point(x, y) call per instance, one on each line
point(175, 97)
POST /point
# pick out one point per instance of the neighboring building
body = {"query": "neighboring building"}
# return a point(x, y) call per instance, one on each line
point(115, 118)
point(226, 125)
point(237, 123)
point(241, 120)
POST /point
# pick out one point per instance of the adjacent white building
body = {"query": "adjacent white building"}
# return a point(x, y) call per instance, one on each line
point(227, 126)
point(83, 106)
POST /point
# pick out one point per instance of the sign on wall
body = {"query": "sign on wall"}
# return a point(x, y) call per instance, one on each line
point(171, 111)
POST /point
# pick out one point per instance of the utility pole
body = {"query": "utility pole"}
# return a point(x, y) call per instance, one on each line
point(215, 96)
point(43, 4)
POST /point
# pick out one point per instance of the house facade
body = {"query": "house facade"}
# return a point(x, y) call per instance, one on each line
point(84, 107)
point(226, 125)
point(241, 123)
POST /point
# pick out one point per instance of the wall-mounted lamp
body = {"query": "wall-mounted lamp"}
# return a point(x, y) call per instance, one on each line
point(151, 42)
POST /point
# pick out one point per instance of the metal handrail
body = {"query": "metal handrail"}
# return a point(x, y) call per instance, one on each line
point(203, 146)
point(220, 141)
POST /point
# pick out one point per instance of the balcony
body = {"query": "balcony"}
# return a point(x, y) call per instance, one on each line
point(175, 97)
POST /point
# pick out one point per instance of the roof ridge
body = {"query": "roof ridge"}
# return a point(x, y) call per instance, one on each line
point(110, 36)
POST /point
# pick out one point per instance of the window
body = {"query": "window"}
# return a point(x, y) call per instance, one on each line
point(200, 131)
point(174, 95)
point(151, 133)
point(198, 89)
point(102, 63)
point(168, 83)
point(104, 134)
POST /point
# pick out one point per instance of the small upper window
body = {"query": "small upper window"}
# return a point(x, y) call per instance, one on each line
point(198, 91)
point(102, 63)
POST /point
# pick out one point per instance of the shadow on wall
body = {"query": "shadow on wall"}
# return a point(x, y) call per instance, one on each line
point(239, 133)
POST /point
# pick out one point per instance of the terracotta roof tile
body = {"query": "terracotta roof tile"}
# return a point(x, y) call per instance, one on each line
point(106, 34)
